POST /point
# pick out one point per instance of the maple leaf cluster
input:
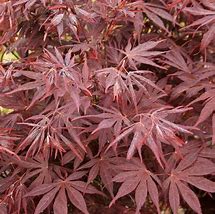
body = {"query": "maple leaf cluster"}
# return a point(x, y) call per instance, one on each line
point(106, 97)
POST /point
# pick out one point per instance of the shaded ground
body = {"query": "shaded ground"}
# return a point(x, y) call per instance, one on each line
point(208, 205)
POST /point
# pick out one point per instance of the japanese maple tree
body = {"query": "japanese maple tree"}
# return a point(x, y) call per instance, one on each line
point(112, 98)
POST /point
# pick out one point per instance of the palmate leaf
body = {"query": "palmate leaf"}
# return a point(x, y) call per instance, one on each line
point(206, 17)
point(156, 13)
point(177, 58)
point(55, 75)
point(121, 81)
point(190, 170)
point(209, 100)
point(134, 176)
point(137, 78)
point(22, 203)
point(46, 134)
point(113, 78)
point(151, 129)
point(57, 190)
point(142, 53)
point(111, 118)
point(104, 166)
point(38, 169)
point(193, 82)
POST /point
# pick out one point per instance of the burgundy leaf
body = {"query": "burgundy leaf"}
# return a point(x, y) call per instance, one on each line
point(60, 204)
point(46, 200)
point(190, 197)
point(127, 187)
point(77, 199)
point(174, 199)
point(42, 189)
point(153, 192)
point(140, 194)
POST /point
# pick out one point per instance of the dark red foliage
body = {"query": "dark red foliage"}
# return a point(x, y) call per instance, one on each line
point(109, 97)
